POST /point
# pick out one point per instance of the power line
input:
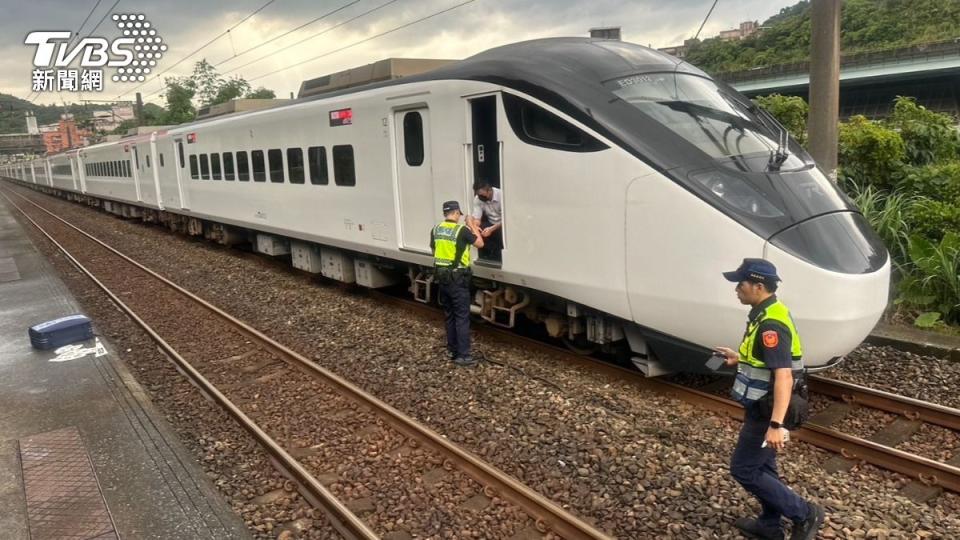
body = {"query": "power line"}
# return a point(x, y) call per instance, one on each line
point(324, 31)
point(95, 6)
point(411, 23)
point(271, 40)
point(205, 45)
point(705, 19)
point(105, 15)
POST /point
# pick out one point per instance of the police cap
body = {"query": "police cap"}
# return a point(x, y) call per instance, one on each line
point(450, 206)
point(757, 270)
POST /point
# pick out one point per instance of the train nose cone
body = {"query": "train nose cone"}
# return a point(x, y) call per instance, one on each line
point(836, 281)
point(840, 242)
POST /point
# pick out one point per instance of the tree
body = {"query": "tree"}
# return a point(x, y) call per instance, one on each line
point(791, 111)
point(205, 82)
point(179, 95)
point(261, 93)
point(231, 89)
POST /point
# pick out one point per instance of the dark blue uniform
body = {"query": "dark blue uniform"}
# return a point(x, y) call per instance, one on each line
point(755, 468)
point(455, 298)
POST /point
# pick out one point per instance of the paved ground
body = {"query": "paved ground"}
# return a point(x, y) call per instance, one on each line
point(148, 481)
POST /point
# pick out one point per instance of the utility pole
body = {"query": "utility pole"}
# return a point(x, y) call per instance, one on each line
point(822, 124)
point(139, 109)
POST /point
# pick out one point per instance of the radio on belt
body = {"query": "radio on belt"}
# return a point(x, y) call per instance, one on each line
point(60, 332)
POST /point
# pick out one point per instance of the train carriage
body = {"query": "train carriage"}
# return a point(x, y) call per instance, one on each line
point(630, 181)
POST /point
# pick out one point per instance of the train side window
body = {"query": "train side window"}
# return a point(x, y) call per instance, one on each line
point(318, 165)
point(259, 169)
point(344, 171)
point(228, 166)
point(113, 168)
point(161, 160)
point(148, 161)
point(194, 172)
point(275, 157)
point(413, 138)
point(215, 166)
point(204, 167)
point(136, 158)
point(295, 165)
point(126, 168)
point(537, 126)
point(243, 167)
point(180, 147)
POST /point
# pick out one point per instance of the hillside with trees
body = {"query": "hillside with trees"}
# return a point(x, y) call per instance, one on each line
point(865, 25)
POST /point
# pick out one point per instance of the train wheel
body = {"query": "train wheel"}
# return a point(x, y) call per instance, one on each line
point(580, 346)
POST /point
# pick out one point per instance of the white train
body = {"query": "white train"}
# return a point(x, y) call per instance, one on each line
point(630, 181)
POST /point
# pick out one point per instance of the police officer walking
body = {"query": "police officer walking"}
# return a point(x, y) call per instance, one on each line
point(769, 357)
point(450, 242)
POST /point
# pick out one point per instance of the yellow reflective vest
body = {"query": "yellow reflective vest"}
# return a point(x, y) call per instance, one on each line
point(445, 246)
point(753, 380)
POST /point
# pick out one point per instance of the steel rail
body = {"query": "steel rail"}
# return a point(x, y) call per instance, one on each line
point(341, 518)
point(913, 409)
point(547, 515)
point(928, 471)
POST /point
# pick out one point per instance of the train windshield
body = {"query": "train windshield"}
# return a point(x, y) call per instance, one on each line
point(700, 112)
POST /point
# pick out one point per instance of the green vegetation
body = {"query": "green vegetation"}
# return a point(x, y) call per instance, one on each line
point(867, 25)
point(904, 175)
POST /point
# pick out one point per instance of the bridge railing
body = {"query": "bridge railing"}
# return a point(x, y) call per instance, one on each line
point(921, 51)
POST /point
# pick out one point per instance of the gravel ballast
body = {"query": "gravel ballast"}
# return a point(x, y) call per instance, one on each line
point(635, 464)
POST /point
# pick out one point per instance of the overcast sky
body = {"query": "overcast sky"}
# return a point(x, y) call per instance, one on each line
point(187, 25)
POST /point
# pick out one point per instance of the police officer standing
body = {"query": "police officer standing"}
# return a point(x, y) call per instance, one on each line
point(769, 357)
point(450, 242)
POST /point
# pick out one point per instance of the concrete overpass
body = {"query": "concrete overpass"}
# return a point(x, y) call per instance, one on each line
point(870, 81)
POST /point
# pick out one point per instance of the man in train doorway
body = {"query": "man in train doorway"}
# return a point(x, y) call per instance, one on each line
point(769, 356)
point(487, 217)
point(450, 243)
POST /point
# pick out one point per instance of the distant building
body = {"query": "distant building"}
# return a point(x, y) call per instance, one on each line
point(63, 135)
point(606, 32)
point(32, 128)
point(680, 51)
point(111, 120)
point(747, 28)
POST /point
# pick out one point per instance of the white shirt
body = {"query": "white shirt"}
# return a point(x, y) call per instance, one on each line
point(490, 208)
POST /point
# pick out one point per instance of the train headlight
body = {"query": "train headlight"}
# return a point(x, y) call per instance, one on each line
point(737, 193)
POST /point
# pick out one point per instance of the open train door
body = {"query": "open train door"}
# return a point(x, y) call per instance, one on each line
point(485, 148)
point(417, 209)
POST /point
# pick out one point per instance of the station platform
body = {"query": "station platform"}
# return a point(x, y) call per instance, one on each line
point(83, 452)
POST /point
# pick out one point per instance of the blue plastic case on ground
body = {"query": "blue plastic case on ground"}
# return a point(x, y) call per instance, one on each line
point(60, 332)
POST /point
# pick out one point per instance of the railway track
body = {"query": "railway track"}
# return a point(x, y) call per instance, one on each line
point(124, 281)
point(930, 476)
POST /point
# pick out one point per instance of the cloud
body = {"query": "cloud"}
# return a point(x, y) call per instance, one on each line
point(480, 25)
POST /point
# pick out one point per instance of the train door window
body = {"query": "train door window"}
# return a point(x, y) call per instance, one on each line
point(275, 157)
point(215, 166)
point(148, 161)
point(194, 169)
point(413, 138)
point(180, 152)
point(136, 158)
point(204, 167)
point(295, 165)
point(161, 160)
point(228, 166)
point(344, 172)
point(259, 169)
point(486, 144)
point(243, 167)
point(317, 155)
